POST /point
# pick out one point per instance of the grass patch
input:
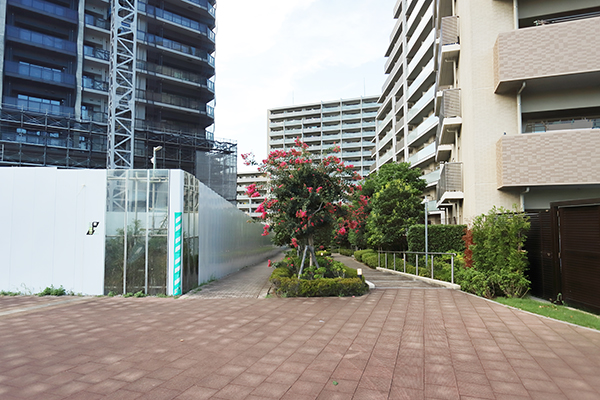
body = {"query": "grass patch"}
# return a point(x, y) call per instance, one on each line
point(561, 313)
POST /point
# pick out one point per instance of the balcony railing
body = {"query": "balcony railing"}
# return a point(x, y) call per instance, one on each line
point(173, 45)
point(449, 108)
point(422, 154)
point(450, 179)
point(38, 73)
point(175, 100)
point(91, 83)
point(559, 125)
point(423, 127)
point(37, 106)
point(47, 8)
point(97, 22)
point(96, 53)
point(176, 19)
point(40, 40)
point(176, 73)
point(170, 127)
point(205, 4)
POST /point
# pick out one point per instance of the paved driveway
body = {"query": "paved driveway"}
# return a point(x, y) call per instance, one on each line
point(390, 344)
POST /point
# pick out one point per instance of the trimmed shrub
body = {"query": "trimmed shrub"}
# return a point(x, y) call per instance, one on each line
point(371, 260)
point(358, 254)
point(440, 238)
point(347, 252)
point(294, 287)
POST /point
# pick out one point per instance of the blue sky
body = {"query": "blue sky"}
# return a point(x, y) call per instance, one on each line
point(277, 53)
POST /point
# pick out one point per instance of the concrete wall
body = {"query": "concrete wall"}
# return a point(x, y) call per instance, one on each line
point(45, 214)
point(485, 115)
point(228, 242)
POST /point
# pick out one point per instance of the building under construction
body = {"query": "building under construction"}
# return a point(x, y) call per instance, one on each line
point(97, 84)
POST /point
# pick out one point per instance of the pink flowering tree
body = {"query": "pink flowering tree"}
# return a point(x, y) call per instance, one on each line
point(304, 195)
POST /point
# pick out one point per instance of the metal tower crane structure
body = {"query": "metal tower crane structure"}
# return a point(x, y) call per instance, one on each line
point(121, 99)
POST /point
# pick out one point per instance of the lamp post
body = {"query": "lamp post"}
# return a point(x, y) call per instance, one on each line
point(425, 201)
point(153, 159)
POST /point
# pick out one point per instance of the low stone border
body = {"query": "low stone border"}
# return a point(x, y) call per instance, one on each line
point(423, 278)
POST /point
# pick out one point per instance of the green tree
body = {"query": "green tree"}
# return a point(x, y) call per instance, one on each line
point(395, 193)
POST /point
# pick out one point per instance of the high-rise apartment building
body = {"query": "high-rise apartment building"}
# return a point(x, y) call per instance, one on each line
point(93, 83)
point(518, 99)
point(406, 121)
point(349, 123)
point(245, 202)
point(498, 102)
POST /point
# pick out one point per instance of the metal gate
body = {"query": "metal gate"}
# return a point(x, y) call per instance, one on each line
point(544, 277)
point(579, 252)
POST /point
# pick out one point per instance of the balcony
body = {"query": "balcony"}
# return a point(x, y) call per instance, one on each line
point(566, 157)
point(450, 185)
point(422, 155)
point(432, 177)
point(171, 127)
point(423, 128)
point(448, 50)
point(387, 156)
point(450, 119)
point(175, 100)
point(205, 5)
point(91, 83)
point(176, 46)
point(40, 40)
point(549, 54)
point(177, 20)
point(95, 52)
point(421, 104)
point(39, 73)
point(177, 74)
point(102, 23)
point(47, 9)
point(41, 106)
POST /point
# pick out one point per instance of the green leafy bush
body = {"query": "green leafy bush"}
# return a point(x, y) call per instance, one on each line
point(332, 278)
point(499, 260)
point(52, 291)
point(346, 252)
point(371, 260)
point(358, 254)
point(294, 287)
point(440, 238)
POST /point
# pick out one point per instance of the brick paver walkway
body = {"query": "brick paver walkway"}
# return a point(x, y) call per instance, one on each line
point(389, 344)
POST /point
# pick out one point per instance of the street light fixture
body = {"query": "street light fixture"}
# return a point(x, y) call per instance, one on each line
point(153, 159)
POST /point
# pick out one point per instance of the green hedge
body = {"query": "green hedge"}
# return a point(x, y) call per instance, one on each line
point(440, 238)
point(294, 287)
point(359, 254)
point(371, 260)
point(347, 252)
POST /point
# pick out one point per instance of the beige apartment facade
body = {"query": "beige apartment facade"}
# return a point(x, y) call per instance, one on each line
point(515, 95)
point(518, 99)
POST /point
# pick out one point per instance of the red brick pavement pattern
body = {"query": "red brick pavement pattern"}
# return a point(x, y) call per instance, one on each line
point(389, 344)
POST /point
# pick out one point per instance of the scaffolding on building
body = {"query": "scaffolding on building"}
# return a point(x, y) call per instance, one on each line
point(41, 139)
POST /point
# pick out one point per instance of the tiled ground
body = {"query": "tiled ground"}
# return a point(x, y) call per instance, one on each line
point(389, 344)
